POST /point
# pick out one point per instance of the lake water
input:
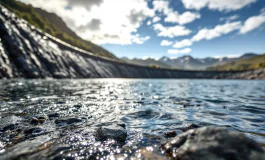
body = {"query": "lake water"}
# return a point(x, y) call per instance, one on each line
point(147, 107)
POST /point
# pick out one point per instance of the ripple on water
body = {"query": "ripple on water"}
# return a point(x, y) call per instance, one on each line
point(74, 109)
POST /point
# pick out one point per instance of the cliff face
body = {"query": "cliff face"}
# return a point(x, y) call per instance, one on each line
point(26, 52)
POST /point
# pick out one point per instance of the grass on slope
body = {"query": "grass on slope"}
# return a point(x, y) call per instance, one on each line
point(243, 64)
point(30, 14)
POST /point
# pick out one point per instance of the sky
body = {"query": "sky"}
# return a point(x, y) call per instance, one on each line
point(172, 28)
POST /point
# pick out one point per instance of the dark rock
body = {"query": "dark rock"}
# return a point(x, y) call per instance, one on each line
point(34, 131)
point(170, 134)
point(37, 120)
point(77, 106)
point(54, 115)
point(34, 121)
point(212, 143)
point(189, 126)
point(68, 120)
point(114, 132)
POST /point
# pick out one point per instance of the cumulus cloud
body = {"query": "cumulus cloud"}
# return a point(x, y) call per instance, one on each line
point(183, 43)
point(171, 32)
point(101, 21)
point(84, 3)
point(253, 23)
point(183, 51)
point(217, 31)
point(161, 6)
point(166, 43)
point(148, 23)
point(229, 19)
point(221, 5)
point(156, 19)
point(186, 17)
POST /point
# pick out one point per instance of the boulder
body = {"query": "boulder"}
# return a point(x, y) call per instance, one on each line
point(212, 143)
point(114, 132)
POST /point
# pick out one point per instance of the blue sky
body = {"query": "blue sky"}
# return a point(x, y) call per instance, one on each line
point(173, 28)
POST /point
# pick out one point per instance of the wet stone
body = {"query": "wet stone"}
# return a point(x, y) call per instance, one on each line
point(189, 126)
point(170, 134)
point(37, 120)
point(68, 120)
point(34, 131)
point(34, 121)
point(54, 115)
point(114, 132)
point(212, 143)
point(77, 106)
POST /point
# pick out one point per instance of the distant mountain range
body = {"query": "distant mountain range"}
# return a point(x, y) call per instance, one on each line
point(253, 62)
point(187, 62)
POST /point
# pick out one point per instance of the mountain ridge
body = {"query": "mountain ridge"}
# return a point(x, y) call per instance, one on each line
point(187, 62)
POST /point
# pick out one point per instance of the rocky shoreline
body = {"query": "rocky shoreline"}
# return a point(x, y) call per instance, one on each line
point(195, 143)
point(26, 52)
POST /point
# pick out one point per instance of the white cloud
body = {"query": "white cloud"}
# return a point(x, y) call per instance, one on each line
point(140, 40)
point(161, 6)
point(183, 51)
point(221, 5)
point(166, 43)
point(183, 43)
point(252, 23)
point(217, 31)
point(171, 31)
point(148, 23)
point(229, 19)
point(91, 20)
point(156, 19)
point(186, 17)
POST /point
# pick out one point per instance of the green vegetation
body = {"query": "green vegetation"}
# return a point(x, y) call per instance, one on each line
point(243, 64)
point(32, 15)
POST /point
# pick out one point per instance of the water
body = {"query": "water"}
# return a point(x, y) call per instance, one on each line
point(147, 107)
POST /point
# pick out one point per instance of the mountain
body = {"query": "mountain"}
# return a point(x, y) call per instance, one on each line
point(146, 62)
point(247, 62)
point(53, 25)
point(191, 63)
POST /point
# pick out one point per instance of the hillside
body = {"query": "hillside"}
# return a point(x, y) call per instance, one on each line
point(147, 62)
point(53, 25)
point(242, 64)
point(191, 63)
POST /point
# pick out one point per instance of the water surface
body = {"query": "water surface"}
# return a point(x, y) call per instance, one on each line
point(147, 107)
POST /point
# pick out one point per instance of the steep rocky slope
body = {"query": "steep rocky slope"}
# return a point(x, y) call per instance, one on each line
point(54, 25)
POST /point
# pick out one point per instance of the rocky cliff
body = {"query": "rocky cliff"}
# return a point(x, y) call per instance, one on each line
point(26, 52)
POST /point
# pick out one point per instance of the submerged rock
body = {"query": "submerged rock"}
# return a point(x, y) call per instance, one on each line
point(114, 132)
point(37, 120)
point(9, 123)
point(53, 115)
point(170, 134)
point(189, 126)
point(212, 143)
point(68, 120)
